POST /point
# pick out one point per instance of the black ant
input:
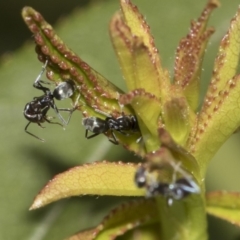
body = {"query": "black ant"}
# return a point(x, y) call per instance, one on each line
point(36, 110)
point(121, 124)
point(175, 190)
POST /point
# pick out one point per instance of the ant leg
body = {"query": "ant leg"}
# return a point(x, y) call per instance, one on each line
point(37, 84)
point(42, 140)
point(40, 125)
point(176, 168)
point(47, 120)
point(192, 186)
point(173, 184)
point(93, 135)
point(53, 106)
point(70, 112)
point(124, 133)
point(45, 82)
point(187, 186)
point(66, 110)
point(140, 139)
point(41, 73)
point(114, 139)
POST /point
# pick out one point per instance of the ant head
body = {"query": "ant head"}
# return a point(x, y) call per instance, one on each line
point(95, 124)
point(64, 90)
point(140, 177)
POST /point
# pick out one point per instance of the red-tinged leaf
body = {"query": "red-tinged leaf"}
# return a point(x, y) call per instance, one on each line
point(125, 217)
point(189, 56)
point(99, 178)
point(84, 235)
point(123, 42)
point(138, 67)
point(147, 109)
point(224, 205)
point(96, 91)
point(226, 63)
point(221, 104)
point(139, 28)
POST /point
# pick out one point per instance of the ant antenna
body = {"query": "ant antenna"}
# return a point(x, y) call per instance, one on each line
point(41, 73)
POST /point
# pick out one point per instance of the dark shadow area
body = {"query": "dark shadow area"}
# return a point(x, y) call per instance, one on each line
point(220, 229)
point(52, 161)
point(106, 202)
point(123, 156)
point(55, 163)
point(91, 205)
point(13, 30)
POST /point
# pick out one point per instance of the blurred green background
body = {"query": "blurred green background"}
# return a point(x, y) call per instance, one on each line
point(28, 164)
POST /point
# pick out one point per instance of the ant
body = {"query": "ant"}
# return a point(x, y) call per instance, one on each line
point(176, 190)
point(120, 124)
point(36, 110)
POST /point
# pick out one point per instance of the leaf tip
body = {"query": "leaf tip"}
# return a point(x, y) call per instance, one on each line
point(215, 3)
point(26, 11)
point(37, 203)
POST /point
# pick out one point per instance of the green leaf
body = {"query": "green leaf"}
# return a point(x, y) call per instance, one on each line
point(99, 178)
point(136, 60)
point(148, 232)
point(139, 28)
point(185, 219)
point(224, 205)
point(147, 109)
point(125, 217)
point(177, 117)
